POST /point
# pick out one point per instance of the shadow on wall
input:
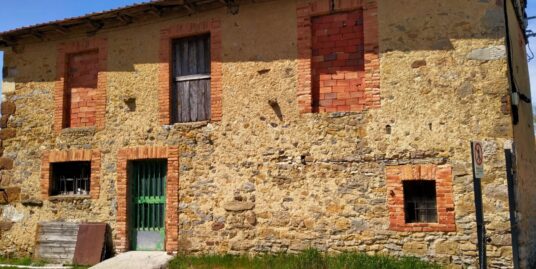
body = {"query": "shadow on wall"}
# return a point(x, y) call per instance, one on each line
point(260, 32)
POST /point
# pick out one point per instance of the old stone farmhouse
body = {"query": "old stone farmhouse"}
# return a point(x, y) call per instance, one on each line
point(208, 126)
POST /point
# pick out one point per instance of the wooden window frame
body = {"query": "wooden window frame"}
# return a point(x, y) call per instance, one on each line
point(174, 113)
point(167, 35)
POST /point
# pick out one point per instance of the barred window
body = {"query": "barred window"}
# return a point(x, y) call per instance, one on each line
point(420, 201)
point(70, 178)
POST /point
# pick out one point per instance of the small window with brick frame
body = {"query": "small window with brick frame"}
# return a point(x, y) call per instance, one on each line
point(190, 95)
point(420, 201)
point(70, 178)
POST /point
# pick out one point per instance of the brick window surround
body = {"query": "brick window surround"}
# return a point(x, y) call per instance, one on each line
point(167, 35)
point(172, 193)
point(358, 94)
point(55, 156)
point(442, 174)
point(65, 51)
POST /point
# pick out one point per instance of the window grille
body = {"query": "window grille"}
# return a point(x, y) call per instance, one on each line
point(420, 201)
point(71, 178)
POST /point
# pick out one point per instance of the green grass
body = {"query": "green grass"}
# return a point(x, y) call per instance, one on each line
point(309, 259)
point(21, 261)
point(30, 261)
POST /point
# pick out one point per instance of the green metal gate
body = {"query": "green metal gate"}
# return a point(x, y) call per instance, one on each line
point(147, 179)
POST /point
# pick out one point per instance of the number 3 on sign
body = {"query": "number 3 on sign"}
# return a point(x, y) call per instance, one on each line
point(478, 159)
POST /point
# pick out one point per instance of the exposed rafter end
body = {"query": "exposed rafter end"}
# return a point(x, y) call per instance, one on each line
point(60, 29)
point(37, 34)
point(232, 6)
point(126, 19)
point(155, 11)
point(8, 42)
point(94, 24)
point(188, 6)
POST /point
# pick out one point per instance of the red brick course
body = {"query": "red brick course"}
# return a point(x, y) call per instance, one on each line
point(82, 83)
point(172, 193)
point(80, 94)
point(338, 65)
point(55, 156)
point(442, 175)
point(165, 83)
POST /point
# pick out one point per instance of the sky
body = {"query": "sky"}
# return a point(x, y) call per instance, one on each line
point(19, 13)
point(531, 11)
point(14, 14)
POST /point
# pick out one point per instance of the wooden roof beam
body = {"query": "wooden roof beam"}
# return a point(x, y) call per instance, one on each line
point(60, 28)
point(37, 34)
point(96, 25)
point(188, 6)
point(8, 41)
point(155, 10)
point(126, 19)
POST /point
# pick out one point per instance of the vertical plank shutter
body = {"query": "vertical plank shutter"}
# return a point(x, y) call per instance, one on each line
point(191, 72)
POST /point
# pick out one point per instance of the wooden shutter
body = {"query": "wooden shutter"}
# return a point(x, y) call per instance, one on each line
point(191, 73)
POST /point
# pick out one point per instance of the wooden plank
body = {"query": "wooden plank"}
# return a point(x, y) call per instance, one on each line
point(184, 101)
point(207, 55)
point(201, 56)
point(194, 97)
point(177, 71)
point(207, 99)
point(201, 101)
point(192, 57)
point(192, 77)
point(184, 59)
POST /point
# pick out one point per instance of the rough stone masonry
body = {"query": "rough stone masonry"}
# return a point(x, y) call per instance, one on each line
point(322, 114)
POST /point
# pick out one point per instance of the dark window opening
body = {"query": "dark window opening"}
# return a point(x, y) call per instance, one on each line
point(420, 201)
point(190, 95)
point(70, 178)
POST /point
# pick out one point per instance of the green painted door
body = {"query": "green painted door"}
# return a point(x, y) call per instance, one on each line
point(147, 179)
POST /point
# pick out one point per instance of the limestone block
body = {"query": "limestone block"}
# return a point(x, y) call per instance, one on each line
point(416, 248)
point(8, 108)
point(446, 247)
point(6, 163)
point(5, 225)
point(3, 121)
point(488, 54)
point(11, 194)
point(32, 202)
point(7, 133)
point(238, 206)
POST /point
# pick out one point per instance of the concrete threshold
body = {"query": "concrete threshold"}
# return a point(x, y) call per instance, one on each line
point(136, 260)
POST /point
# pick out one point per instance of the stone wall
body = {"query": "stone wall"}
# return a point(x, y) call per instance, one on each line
point(267, 178)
